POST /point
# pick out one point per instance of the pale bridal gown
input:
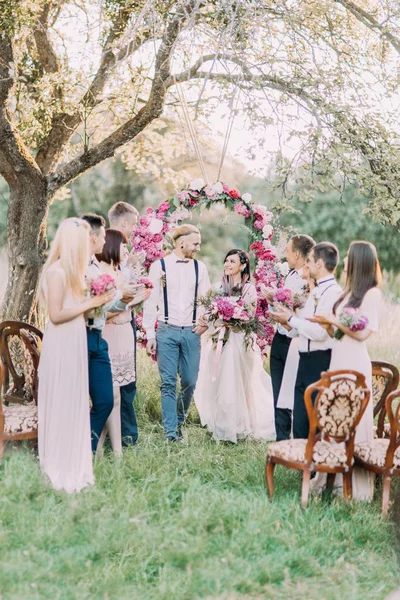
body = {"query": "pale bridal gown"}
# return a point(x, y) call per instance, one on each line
point(234, 393)
point(63, 403)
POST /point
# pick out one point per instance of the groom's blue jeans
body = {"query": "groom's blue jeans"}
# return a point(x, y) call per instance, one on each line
point(178, 351)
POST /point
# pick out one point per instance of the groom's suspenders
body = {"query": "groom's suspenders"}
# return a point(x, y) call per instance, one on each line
point(165, 292)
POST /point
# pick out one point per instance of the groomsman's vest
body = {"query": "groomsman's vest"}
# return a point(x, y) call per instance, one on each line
point(165, 292)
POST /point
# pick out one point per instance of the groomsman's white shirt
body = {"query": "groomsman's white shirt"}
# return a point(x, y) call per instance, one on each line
point(181, 281)
point(295, 282)
point(328, 292)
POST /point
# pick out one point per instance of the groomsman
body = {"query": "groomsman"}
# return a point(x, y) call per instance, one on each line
point(315, 345)
point(100, 377)
point(123, 217)
point(179, 280)
point(297, 250)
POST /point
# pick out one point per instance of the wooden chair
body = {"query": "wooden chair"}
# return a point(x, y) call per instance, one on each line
point(385, 379)
point(382, 455)
point(20, 353)
point(341, 398)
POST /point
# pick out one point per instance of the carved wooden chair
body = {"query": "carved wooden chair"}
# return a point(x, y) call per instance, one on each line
point(341, 398)
point(20, 345)
point(385, 379)
point(382, 455)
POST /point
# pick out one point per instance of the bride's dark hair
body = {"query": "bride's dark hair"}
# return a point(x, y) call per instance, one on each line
point(245, 274)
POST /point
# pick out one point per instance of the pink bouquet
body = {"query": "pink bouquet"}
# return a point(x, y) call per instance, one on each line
point(146, 282)
point(289, 299)
point(353, 319)
point(99, 285)
point(229, 313)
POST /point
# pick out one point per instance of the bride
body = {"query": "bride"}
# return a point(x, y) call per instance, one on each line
point(234, 394)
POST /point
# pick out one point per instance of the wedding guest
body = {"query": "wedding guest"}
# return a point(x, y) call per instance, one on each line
point(234, 393)
point(118, 334)
point(178, 279)
point(297, 250)
point(63, 408)
point(100, 376)
point(315, 345)
point(123, 217)
point(361, 291)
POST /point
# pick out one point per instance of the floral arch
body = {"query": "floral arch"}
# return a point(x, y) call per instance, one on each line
point(157, 222)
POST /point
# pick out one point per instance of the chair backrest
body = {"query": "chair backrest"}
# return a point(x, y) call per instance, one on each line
point(335, 405)
point(393, 413)
point(385, 379)
point(20, 345)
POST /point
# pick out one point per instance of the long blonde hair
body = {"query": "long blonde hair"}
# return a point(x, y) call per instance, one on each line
point(71, 246)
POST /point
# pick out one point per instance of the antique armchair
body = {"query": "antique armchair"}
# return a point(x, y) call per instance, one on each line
point(382, 455)
point(385, 379)
point(20, 352)
point(335, 405)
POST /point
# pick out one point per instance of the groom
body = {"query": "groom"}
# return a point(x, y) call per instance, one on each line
point(297, 250)
point(315, 345)
point(179, 280)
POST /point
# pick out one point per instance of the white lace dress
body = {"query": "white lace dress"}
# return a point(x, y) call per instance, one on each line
point(234, 393)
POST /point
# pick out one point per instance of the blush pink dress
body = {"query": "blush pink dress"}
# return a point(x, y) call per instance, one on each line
point(63, 403)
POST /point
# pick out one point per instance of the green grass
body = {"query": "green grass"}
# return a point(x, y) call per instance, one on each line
point(189, 521)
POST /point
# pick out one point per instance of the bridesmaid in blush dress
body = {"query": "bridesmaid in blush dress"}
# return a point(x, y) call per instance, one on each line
point(363, 278)
point(118, 334)
point(63, 396)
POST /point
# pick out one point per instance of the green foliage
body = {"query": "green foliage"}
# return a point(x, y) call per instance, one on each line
point(341, 222)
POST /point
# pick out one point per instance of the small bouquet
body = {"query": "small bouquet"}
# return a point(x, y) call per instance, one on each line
point(229, 313)
point(289, 299)
point(353, 319)
point(98, 286)
point(146, 282)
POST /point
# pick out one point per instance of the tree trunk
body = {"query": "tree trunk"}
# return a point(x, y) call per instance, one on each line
point(26, 240)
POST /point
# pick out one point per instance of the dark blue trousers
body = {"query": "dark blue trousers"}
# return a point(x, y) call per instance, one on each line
point(277, 361)
point(100, 383)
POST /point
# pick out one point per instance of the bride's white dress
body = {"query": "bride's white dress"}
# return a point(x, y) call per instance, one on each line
point(234, 393)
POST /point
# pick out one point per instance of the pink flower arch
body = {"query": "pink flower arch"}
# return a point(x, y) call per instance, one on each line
point(156, 223)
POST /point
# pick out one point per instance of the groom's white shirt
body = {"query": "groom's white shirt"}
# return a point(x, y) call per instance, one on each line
point(319, 302)
point(181, 281)
point(293, 281)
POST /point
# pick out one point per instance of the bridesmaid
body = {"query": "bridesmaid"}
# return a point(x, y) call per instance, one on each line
point(363, 278)
point(63, 396)
point(118, 333)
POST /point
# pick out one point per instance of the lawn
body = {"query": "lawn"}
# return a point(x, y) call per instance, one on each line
point(190, 520)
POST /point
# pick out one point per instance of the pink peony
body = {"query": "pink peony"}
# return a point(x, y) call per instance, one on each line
point(235, 194)
point(145, 221)
point(101, 284)
point(163, 207)
point(225, 308)
point(258, 225)
point(150, 211)
point(241, 209)
point(146, 282)
point(183, 196)
point(210, 191)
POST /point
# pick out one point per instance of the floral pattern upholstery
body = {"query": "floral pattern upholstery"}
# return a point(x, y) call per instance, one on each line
point(20, 418)
point(379, 383)
point(339, 406)
point(374, 452)
point(324, 453)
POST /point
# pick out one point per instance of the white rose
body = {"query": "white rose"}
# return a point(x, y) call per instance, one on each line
point(155, 225)
point(284, 268)
point(218, 187)
point(197, 184)
point(246, 197)
point(267, 231)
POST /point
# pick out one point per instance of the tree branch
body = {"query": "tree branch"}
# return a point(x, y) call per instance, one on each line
point(14, 156)
point(369, 21)
point(64, 124)
point(47, 57)
point(152, 109)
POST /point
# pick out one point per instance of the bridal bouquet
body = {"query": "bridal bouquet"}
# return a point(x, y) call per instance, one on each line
point(99, 285)
point(146, 282)
point(228, 313)
point(353, 319)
